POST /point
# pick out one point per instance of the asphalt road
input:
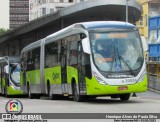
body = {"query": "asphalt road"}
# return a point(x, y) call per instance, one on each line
point(148, 102)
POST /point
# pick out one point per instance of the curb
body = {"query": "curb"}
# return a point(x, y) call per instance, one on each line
point(153, 90)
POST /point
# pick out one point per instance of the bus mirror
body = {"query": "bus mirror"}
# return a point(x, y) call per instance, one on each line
point(144, 43)
point(85, 45)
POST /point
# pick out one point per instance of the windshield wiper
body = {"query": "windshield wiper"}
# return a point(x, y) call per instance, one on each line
point(121, 58)
point(115, 56)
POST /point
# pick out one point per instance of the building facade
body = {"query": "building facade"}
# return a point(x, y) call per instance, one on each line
point(38, 8)
point(19, 13)
point(154, 21)
point(143, 22)
point(150, 8)
point(154, 29)
point(154, 8)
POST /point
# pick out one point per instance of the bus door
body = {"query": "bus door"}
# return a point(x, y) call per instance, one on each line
point(23, 71)
point(81, 69)
point(24, 80)
point(64, 66)
point(6, 77)
point(2, 79)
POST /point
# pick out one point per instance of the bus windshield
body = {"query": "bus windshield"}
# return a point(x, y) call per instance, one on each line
point(15, 73)
point(118, 51)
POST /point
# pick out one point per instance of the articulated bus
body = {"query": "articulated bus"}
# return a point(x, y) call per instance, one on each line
point(10, 75)
point(90, 59)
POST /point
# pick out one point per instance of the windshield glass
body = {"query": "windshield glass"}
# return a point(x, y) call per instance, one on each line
point(15, 73)
point(117, 51)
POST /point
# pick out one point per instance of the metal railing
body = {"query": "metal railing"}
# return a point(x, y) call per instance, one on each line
point(154, 82)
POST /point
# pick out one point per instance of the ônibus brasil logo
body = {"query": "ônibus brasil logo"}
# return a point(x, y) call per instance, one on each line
point(14, 107)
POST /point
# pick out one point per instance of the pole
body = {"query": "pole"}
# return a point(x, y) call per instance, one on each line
point(127, 10)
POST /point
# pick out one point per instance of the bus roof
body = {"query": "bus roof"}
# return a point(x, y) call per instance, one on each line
point(107, 24)
point(87, 26)
point(32, 45)
point(77, 27)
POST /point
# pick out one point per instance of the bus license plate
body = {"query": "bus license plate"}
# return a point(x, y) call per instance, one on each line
point(121, 88)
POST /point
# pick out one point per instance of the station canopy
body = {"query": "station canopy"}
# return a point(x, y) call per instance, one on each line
point(91, 10)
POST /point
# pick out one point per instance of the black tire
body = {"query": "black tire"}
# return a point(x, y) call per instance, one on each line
point(30, 95)
point(76, 97)
point(37, 96)
point(114, 96)
point(124, 97)
point(90, 97)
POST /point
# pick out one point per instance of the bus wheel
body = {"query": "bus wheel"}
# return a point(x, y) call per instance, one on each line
point(30, 95)
point(124, 97)
point(76, 95)
point(37, 96)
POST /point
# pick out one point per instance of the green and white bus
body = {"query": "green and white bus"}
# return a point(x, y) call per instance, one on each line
point(10, 75)
point(89, 59)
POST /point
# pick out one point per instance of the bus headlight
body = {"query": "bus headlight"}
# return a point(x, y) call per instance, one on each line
point(98, 78)
point(141, 78)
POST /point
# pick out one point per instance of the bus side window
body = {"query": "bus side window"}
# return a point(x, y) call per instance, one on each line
point(36, 59)
point(3, 73)
point(86, 66)
point(73, 52)
point(51, 54)
point(30, 65)
point(23, 61)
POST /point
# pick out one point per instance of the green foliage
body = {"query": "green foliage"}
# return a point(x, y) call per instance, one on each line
point(2, 31)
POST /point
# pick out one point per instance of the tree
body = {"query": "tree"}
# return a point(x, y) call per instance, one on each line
point(2, 31)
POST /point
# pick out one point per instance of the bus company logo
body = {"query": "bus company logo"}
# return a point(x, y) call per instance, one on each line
point(14, 107)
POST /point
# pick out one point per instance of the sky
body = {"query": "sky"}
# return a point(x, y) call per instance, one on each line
point(4, 14)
